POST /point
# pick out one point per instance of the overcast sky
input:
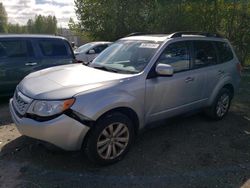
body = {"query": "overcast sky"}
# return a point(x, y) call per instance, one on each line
point(19, 11)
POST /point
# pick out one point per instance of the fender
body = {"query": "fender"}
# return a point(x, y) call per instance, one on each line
point(98, 103)
point(226, 80)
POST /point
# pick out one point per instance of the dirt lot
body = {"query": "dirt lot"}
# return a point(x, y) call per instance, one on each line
point(183, 152)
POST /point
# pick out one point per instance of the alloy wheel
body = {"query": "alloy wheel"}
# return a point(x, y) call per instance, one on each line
point(222, 105)
point(113, 140)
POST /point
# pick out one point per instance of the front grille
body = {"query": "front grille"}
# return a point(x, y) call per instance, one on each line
point(21, 102)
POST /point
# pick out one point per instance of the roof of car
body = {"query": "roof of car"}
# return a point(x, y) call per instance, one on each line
point(29, 36)
point(163, 37)
point(96, 43)
point(100, 42)
point(152, 37)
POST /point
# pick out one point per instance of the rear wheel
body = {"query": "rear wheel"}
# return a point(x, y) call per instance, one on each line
point(221, 105)
point(110, 139)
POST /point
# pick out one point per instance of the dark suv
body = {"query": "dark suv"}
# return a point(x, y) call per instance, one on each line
point(23, 54)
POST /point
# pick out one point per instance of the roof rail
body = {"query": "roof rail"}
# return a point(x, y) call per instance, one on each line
point(137, 34)
point(206, 34)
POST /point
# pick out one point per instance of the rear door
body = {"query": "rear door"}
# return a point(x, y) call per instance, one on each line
point(53, 52)
point(205, 60)
point(16, 56)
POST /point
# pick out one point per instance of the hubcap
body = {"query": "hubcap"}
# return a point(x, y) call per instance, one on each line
point(113, 140)
point(222, 105)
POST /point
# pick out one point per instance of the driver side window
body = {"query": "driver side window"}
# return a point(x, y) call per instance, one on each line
point(98, 49)
point(177, 55)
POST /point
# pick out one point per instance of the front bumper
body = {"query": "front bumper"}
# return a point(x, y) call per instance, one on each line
point(62, 131)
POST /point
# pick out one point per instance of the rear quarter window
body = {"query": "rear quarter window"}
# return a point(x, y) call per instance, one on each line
point(52, 48)
point(224, 51)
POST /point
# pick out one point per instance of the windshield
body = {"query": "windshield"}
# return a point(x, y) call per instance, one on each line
point(84, 47)
point(127, 56)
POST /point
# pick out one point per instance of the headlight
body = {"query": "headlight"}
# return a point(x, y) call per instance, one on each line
point(50, 108)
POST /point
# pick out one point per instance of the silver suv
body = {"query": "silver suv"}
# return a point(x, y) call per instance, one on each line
point(136, 81)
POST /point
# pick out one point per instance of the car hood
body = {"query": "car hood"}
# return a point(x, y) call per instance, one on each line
point(66, 81)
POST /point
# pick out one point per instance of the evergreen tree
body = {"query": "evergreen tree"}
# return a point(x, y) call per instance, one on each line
point(3, 19)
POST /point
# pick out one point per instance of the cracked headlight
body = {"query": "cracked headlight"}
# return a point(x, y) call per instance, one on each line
point(49, 108)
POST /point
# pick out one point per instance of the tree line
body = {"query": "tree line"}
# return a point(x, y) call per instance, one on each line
point(39, 25)
point(112, 19)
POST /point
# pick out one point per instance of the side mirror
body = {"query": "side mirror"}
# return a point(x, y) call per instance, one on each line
point(91, 51)
point(164, 70)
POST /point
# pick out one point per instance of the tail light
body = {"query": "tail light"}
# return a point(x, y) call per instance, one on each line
point(239, 68)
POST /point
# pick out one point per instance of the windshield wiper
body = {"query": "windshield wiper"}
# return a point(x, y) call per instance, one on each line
point(105, 68)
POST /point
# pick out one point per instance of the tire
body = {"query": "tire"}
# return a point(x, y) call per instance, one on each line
point(213, 111)
point(114, 133)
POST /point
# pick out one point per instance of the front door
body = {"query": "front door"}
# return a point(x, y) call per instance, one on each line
point(167, 96)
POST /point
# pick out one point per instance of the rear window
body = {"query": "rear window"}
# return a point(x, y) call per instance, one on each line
point(14, 49)
point(225, 52)
point(53, 48)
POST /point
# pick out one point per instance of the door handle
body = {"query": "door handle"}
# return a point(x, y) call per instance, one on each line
point(30, 64)
point(189, 79)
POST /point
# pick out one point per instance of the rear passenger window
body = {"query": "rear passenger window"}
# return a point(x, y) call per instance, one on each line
point(13, 48)
point(53, 48)
point(176, 55)
point(225, 52)
point(204, 54)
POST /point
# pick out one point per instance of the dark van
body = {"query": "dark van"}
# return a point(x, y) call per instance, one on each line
point(23, 54)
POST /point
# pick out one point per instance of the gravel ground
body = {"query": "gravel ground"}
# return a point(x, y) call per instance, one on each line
point(187, 151)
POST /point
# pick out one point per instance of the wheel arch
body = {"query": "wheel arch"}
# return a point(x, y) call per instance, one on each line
point(227, 85)
point(230, 87)
point(129, 112)
point(126, 111)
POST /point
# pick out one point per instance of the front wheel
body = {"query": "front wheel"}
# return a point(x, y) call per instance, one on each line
point(221, 105)
point(110, 139)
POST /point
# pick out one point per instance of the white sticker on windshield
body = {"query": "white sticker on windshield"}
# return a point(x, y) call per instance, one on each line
point(149, 45)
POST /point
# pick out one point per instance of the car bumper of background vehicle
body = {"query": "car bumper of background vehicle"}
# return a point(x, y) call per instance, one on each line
point(62, 131)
